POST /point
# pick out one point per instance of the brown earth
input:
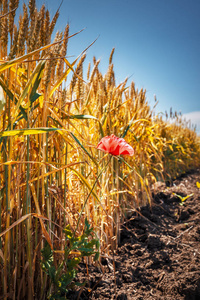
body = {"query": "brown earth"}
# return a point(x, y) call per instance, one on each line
point(159, 253)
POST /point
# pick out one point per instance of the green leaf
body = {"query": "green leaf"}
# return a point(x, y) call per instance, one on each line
point(36, 81)
point(79, 143)
point(34, 97)
point(88, 250)
point(96, 257)
point(87, 225)
point(80, 284)
point(11, 96)
point(32, 84)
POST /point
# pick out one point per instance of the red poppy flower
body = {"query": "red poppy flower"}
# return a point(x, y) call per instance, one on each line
point(115, 146)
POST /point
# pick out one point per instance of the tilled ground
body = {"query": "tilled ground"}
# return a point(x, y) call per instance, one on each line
point(159, 253)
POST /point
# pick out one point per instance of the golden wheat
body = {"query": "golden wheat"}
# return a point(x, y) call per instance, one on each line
point(51, 173)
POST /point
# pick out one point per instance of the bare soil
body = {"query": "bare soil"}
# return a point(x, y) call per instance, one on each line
point(159, 253)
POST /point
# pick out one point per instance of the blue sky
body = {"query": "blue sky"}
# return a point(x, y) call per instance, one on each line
point(157, 43)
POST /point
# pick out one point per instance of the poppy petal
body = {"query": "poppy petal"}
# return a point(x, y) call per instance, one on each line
point(126, 149)
point(115, 146)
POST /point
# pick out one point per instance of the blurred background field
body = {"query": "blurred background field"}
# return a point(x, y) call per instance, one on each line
point(51, 120)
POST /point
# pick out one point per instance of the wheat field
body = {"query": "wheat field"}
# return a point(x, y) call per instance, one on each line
point(51, 172)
